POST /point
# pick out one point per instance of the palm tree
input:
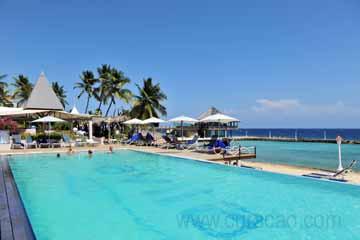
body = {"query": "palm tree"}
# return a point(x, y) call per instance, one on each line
point(104, 77)
point(60, 93)
point(3, 84)
point(115, 88)
point(5, 97)
point(23, 88)
point(148, 103)
point(86, 86)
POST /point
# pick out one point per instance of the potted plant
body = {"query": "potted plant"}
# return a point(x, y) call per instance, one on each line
point(7, 126)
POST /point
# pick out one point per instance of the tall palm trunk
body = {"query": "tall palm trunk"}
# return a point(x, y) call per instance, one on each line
point(87, 104)
point(107, 111)
point(100, 103)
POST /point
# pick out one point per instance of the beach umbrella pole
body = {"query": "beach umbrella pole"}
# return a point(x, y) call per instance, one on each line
point(49, 132)
point(109, 132)
point(153, 127)
point(218, 130)
point(182, 130)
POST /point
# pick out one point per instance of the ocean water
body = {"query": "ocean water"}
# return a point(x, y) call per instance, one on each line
point(317, 155)
point(315, 133)
point(131, 195)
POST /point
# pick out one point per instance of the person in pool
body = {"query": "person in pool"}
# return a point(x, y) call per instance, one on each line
point(70, 151)
point(111, 149)
point(58, 155)
point(90, 153)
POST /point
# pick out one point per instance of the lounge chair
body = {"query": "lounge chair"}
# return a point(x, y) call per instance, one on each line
point(333, 176)
point(137, 138)
point(169, 143)
point(16, 142)
point(345, 170)
point(55, 144)
point(149, 139)
point(219, 146)
point(207, 149)
point(80, 142)
point(44, 144)
point(131, 139)
point(113, 141)
point(213, 140)
point(192, 144)
point(30, 143)
point(67, 142)
point(92, 142)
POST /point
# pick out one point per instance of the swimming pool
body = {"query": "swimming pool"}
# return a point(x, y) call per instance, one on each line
point(317, 155)
point(133, 195)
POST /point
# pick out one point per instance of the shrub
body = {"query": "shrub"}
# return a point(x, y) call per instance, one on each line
point(8, 124)
point(43, 136)
point(62, 126)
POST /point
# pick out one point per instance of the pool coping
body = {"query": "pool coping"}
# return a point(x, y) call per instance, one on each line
point(15, 223)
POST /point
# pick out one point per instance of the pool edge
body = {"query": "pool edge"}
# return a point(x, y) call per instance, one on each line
point(20, 223)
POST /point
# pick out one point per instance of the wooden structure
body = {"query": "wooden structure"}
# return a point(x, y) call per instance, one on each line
point(240, 156)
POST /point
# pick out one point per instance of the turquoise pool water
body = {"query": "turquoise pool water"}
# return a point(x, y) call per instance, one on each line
point(318, 155)
point(131, 195)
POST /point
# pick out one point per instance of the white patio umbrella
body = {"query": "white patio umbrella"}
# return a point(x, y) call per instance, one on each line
point(153, 120)
point(133, 121)
point(219, 118)
point(48, 119)
point(182, 120)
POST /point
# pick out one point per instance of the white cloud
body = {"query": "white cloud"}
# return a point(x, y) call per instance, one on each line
point(277, 105)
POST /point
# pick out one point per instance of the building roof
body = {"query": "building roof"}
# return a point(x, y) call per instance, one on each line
point(20, 113)
point(209, 112)
point(74, 110)
point(220, 118)
point(17, 112)
point(43, 97)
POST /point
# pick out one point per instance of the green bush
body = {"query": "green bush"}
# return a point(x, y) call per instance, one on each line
point(44, 136)
point(62, 126)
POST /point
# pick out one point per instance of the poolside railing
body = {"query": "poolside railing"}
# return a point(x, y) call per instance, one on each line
point(247, 150)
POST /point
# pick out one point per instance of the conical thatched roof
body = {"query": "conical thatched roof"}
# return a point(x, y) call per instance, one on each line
point(43, 97)
point(209, 112)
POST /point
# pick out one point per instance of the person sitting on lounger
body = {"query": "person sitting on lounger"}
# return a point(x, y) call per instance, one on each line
point(219, 146)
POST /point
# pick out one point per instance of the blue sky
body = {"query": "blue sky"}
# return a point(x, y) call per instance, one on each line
point(270, 63)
